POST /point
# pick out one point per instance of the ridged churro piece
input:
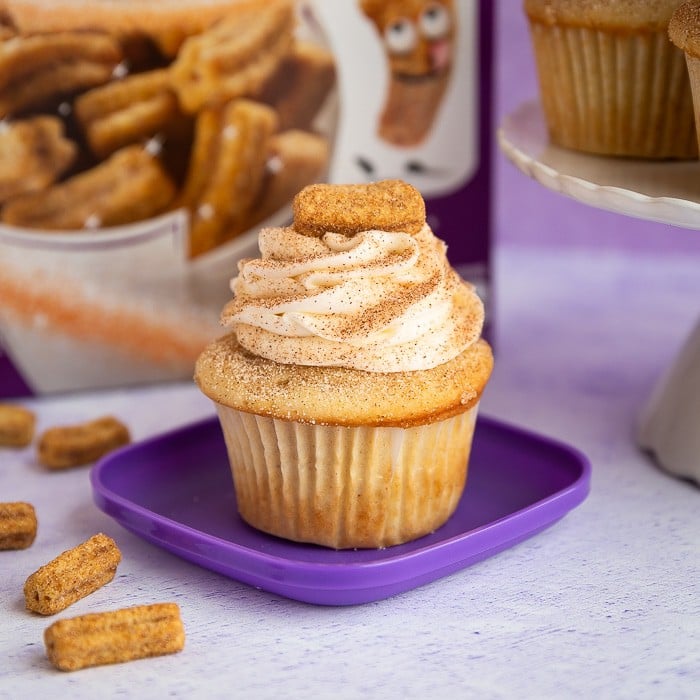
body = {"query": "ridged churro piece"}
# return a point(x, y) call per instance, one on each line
point(129, 186)
point(16, 426)
point(300, 86)
point(33, 153)
point(388, 205)
point(18, 525)
point(235, 57)
point(226, 171)
point(72, 575)
point(126, 111)
point(113, 637)
point(36, 69)
point(75, 445)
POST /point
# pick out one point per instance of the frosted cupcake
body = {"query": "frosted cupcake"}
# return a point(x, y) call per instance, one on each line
point(348, 388)
point(610, 80)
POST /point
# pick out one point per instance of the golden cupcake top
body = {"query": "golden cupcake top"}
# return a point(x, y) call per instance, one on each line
point(359, 281)
point(620, 15)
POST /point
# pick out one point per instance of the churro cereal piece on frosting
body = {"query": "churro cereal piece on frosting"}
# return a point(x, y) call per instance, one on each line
point(75, 445)
point(235, 57)
point(129, 186)
point(389, 205)
point(18, 525)
point(116, 636)
point(72, 575)
point(16, 426)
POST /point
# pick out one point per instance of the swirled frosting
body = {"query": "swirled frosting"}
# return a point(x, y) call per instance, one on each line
point(375, 301)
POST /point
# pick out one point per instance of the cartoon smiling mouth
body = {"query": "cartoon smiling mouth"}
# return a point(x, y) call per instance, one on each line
point(438, 63)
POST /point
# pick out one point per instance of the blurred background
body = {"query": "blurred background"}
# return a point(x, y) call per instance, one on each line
point(527, 213)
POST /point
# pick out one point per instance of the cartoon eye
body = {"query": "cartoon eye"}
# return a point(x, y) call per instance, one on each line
point(401, 36)
point(435, 22)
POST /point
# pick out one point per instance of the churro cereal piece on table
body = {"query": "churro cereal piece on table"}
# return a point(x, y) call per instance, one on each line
point(113, 637)
point(18, 525)
point(36, 69)
point(72, 575)
point(75, 445)
point(33, 154)
point(16, 426)
point(126, 111)
point(389, 205)
point(296, 159)
point(130, 186)
point(235, 57)
point(300, 86)
point(226, 171)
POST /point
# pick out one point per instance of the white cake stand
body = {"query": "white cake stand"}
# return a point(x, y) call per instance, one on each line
point(666, 192)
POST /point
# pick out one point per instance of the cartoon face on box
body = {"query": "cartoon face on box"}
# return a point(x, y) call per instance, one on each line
point(418, 37)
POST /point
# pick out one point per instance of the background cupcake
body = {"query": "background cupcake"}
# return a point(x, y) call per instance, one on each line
point(349, 387)
point(610, 80)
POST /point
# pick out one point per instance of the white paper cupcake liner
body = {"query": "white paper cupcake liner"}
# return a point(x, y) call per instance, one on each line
point(347, 487)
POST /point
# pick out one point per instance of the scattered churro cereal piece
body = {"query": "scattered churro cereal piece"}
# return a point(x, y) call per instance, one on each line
point(226, 170)
point(113, 637)
point(126, 111)
point(33, 153)
point(75, 445)
point(300, 86)
point(235, 57)
point(16, 426)
point(72, 575)
point(17, 525)
point(35, 69)
point(129, 186)
point(388, 205)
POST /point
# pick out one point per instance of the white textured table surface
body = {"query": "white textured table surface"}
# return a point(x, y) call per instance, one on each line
point(604, 604)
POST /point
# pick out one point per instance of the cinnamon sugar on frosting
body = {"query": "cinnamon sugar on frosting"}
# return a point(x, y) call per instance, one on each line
point(373, 300)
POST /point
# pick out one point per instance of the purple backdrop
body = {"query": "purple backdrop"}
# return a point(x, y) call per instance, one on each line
point(527, 213)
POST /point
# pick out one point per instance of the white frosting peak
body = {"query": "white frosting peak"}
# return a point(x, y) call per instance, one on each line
point(376, 301)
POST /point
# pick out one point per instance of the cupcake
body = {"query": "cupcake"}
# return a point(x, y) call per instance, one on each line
point(611, 82)
point(348, 387)
point(684, 31)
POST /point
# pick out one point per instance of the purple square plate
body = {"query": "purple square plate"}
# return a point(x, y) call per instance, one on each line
point(175, 490)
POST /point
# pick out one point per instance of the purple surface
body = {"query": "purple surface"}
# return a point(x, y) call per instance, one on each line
point(176, 491)
point(528, 214)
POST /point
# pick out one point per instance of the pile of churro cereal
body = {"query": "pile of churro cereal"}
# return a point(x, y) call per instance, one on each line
point(110, 123)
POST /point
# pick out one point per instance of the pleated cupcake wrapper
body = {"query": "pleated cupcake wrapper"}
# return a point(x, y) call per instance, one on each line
point(615, 94)
point(347, 487)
